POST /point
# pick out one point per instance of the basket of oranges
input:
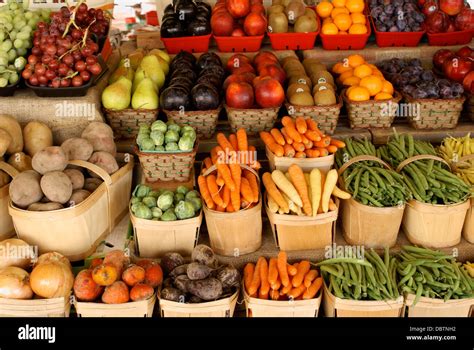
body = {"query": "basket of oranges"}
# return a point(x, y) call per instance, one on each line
point(370, 100)
point(345, 25)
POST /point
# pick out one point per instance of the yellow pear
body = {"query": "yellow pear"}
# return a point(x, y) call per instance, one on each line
point(121, 71)
point(139, 76)
point(136, 57)
point(152, 68)
point(145, 95)
point(117, 96)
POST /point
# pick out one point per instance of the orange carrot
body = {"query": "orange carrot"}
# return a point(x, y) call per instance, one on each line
point(298, 146)
point(221, 209)
point(220, 180)
point(303, 269)
point(292, 269)
point(278, 136)
point(235, 171)
point(298, 180)
point(248, 275)
point(270, 142)
point(282, 270)
point(274, 294)
point(274, 192)
point(217, 153)
point(312, 135)
point(253, 184)
point(288, 139)
point(338, 143)
point(310, 277)
point(297, 291)
point(246, 190)
point(255, 283)
point(323, 152)
point(332, 148)
point(233, 141)
point(289, 151)
point(224, 171)
point(242, 142)
point(300, 155)
point(265, 285)
point(312, 124)
point(301, 125)
point(286, 289)
point(226, 196)
point(304, 139)
point(332, 205)
point(263, 296)
point(252, 155)
point(229, 208)
point(205, 194)
point(312, 153)
point(256, 165)
point(273, 271)
point(323, 143)
point(276, 285)
point(224, 142)
point(207, 162)
point(309, 145)
point(214, 190)
point(291, 131)
point(311, 292)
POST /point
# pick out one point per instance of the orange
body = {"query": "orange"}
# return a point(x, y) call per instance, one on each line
point(358, 93)
point(351, 81)
point(387, 87)
point(343, 21)
point(327, 20)
point(329, 29)
point(349, 89)
point(343, 32)
point(339, 3)
point(372, 83)
point(355, 6)
point(378, 73)
point(373, 66)
point(346, 74)
point(362, 71)
point(358, 29)
point(358, 18)
point(355, 60)
point(383, 96)
point(324, 9)
point(338, 11)
point(340, 68)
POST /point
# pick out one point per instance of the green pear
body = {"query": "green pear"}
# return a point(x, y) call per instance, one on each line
point(117, 96)
point(162, 54)
point(153, 70)
point(136, 57)
point(121, 71)
point(145, 95)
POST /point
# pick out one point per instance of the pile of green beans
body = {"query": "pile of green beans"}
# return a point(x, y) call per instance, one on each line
point(432, 274)
point(372, 278)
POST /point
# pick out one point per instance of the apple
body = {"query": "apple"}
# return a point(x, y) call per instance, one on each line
point(440, 56)
point(263, 56)
point(238, 78)
point(238, 32)
point(243, 68)
point(465, 19)
point(259, 8)
point(274, 71)
point(238, 8)
point(269, 93)
point(451, 7)
point(222, 23)
point(239, 95)
point(429, 7)
point(468, 82)
point(236, 61)
point(456, 68)
point(255, 24)
point(451, 28)
point(465, 51)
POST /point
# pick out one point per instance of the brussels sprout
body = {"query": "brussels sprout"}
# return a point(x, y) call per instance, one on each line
point(149, 201)
point(143, 212)
point(135, 200)
point(173, 127)
point(165, 201)
point(160, 148)
point(144, 128)
point(190, 134)
point(192, 194)
point(155, 194)
point(178, 197)
point(196, 202)
point(168, 192)
point(184, 210)
point(141, 137)
point(147, 144)
point(186, 128)
point(135, 206)
point(159, 125)
point(172, 146)
point(182, 189)
point(156, 212)
point(142, 191)
point(186, 144)
point(168, 215)
point(158, 137)
point(171, 136)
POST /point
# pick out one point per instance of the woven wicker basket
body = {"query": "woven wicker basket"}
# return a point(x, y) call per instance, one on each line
point(369, 114)
point(252, 120)
point(325, 116)
point(126, 123)
point(436, 113)
point(166, 166)
point(470, 107)
point(205, 122)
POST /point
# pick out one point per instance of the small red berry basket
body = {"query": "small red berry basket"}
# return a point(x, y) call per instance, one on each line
point(191, 44)
point(397, 39)
point(345, 41)
point(452, 38)
point(239, 43)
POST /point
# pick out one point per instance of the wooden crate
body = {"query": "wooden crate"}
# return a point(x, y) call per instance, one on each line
point(57, 307)
point(428, 307)
point(307, 164)
point(149, 40)
point(142, 308)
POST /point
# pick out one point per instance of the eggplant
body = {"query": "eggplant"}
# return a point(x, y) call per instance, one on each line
point(205, 97)
point(211, 79)
point(172, 28)
point(169, 10)
point(186, 10)
point(181, 64)
point(174, 99)
point(199, 28)
point(184, 72)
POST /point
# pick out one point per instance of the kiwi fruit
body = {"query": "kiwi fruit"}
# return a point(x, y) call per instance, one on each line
point(296, 87)
point(294, 10)
point(300, 79)
point(309, 61)
point(322, 76)
point(295, 71)
point(276, 9)
point(325, 97)
point(315, 68)
point(305, 24)
point(321, 86)
point(289, 60)
point(277, 2)
point(301, 99)
point(310, 13)
point(278, 23)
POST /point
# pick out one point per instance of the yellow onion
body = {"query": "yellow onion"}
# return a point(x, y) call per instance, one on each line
point(14, 283)
point(51, 280)
point(15, 252)
point(53, 257)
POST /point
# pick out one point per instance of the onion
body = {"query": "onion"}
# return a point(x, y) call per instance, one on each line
point(15, 252)
point(14, 283)
point(51, 280)
point(53, 257)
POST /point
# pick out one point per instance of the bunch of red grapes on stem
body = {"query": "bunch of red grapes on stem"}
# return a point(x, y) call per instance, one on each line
point(64, 53)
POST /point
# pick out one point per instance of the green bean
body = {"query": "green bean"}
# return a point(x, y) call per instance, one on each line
point(343, 260)
point(407, 277)
point(411, 145)
point(331, 270)
point(337, 290)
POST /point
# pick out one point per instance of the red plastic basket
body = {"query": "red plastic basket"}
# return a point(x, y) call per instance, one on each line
point(294, 41)
point(346, 41)
point(452, 38)
point(387, 39)
point(191, 44)
point(151, 18)
point(239, 43)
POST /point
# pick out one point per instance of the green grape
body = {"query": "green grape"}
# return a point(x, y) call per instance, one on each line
point(8, 27)
point(21, 51)
point(11, 55)
point(26, 44)
point(2, 36)
point(19, 63)
point(18, 43)
point(13, 6)
point(33, 22)
point(13, 78)
point(6, 45)
point(11, 67)
point(18, 12)
point(45, 14)
point(20, 24)
point(3, 82)
point(28, 15)
point(2, 69)
point(13, 34)
point(3, 54)
point(3, 61)
point(26, 32)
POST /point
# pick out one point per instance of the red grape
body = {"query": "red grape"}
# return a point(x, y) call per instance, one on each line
point(61, 51)
point(46, 59)
point(68, 60)
point(94, 47)
point(95, 69)
point(56, 83)
point(33, 80)
point(90, 60)
point(51, 50)
point(77, 55)
point(82, 8)
point(80, 66)
point(65, 82)
point(62, 70)
point(26, 74)
point(53, 64)
point(33, 59)
point(76, 33)
point(92, 12)
point(50, 74)
point(39, 69)
point(36, 51)
point(36, 41)
point(41, 25)
point(42, 80)
point(77, 81)
point(85, 75)
point(86, 51)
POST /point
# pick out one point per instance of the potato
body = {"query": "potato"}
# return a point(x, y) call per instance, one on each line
point(56, 186)
point(4, 178)
point(78, 196)
point(77, 148)
point(172, 294)
point(170, 261)
point(49, 159)
point(204, 255)
point(20, 161)
point(179, 270)
point(76, 177)
point(91, 184)
point(36, 137)
point(45, 206)
point(5, 141)
point(229, 276)
point(208, 289)
point(101, 136)
point(105, 161)
point(104, 144)
point(13, 128)
point(25, 189)
point(196, 271)
point(180, 283)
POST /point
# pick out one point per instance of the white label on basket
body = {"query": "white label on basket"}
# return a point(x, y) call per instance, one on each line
point(182, 110)
point(72, 203)
point(37, 333)
point(291, 110)
point(127, 157)
point(236, 252)
point(345, 157)
point(270, 29)
point(181, 299)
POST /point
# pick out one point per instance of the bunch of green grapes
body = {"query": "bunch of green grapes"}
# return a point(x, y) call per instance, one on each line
point(16, 31)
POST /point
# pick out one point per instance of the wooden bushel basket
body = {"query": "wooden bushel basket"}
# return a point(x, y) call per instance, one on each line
point(372, 227)
point(468, 229)
point(433, 225)
point(428, 307)
point(57, 307)
point(306, 164)
point(6, 224)
point(273, 308)
point(292, 232)
point(337, 307)
point(142, 308)
point(219, 308)
point(120, 190)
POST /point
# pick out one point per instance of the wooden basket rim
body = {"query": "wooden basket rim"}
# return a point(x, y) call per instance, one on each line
point(429, 100)
point(33, 302)
point(252, 110)
point(376, 209)
point(416, 203)
point(242, 212)
point(188, 307)
point(114, 307)
point(192, 113)
point(395, 99)
point(309, 109)
point(420, 157)
point(11, 171)
point(129, 110)
point(437, 303)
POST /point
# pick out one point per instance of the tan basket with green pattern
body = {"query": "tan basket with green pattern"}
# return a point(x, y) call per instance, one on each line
point(204, 122)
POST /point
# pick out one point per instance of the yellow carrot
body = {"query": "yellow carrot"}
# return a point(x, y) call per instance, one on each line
point(331, 180)
point(286, 187)
point(315, 181)
point(298, 180)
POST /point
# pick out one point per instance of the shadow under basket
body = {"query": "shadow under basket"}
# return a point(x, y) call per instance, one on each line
point(204, 122)
point(252, 120)
point(126, 123)
point(306, 164)
point(56, 307)
point(143, 308)
point(428, 307)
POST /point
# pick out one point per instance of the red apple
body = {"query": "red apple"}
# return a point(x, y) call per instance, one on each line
point(238, 8)
point(222, 24)
point(236, 61)
point(255, 24)
point(259, 8)
point(263, 56)
point(269, 93)
point(243, 68)
point(274, 71)
point(451, 7)
point(465, 19)
point(456, 68)
point(468, 82)
point(451, 28)
point(440, 56)
point(239, 95)
point(465, 51)
point(238, 78)
point(429, 7)
point(219, 6)
point(238, 32)
point(437, 22)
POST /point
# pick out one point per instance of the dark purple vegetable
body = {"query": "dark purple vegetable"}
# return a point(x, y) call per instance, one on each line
point(205, 97)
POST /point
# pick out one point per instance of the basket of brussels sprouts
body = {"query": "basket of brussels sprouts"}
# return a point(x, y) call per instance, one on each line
point(166, 151)
point(165, 221)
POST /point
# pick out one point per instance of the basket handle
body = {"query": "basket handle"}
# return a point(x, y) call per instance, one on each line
point(9, 169)
point(420, 157)
point(361, 159)
point(244, 166)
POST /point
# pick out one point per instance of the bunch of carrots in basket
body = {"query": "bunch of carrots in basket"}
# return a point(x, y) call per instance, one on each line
point(302, 193)
point(300, 138)
point(230, 185)
point(278, 280)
